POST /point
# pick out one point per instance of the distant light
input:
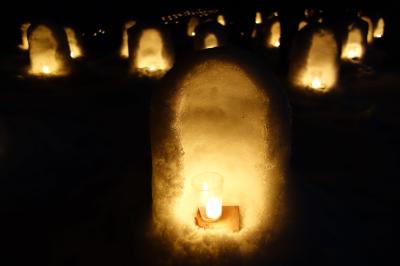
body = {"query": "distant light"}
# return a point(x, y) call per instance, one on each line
point(95, 34)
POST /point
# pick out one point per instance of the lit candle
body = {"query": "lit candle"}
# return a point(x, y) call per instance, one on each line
point(151, 68)
point(277, 44)
point(72, 55)
point(208, 187)
point(213, 208)
point(45, 69)
point(378, 36)
point(352, 53)
point(316, 83)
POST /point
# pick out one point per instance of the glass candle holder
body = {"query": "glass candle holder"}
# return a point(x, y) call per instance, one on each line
point(208, 189)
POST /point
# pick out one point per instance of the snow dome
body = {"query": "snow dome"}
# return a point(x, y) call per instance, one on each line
point(272, 34)
point(370, 34)
point(354, 43)
point(220, 127)
point(74, 45)
point(221, 20)
point(124, 51)
point(314, 63)
point(24, 36)
point(150, 50)
point(191, 26)
point(209, 35)
point(379, 29)
point(48, 50)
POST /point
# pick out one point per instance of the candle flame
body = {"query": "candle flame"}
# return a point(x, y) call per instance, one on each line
point(213, 208)
point(45, 69)
point(316, 83)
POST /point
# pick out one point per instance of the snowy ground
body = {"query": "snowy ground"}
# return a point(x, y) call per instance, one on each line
point(75, 167)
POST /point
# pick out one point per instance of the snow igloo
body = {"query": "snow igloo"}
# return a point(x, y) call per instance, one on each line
point(24, 45)
point(379, 29)
point(370, 32)
point(209, 35)
point(74, 45)
point(220, 121)
point(151, 52)
point(314, 62)
point(191, 26)
point(221, 20)
point(49, 53)
point(354, 43)
point(272, 33)
point(124, 50)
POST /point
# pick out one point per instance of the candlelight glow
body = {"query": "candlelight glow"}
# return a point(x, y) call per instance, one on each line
point(258, 19)
point(46, 53)
point(370, 35)
point(45, 70)
point(352, 48)
point(74, 46)
point(316, 83)
point(210, 41)
point(24, 37)
point(317, 68)
point(151, 57)
point(191, 27)
point(216, 119)
point(273, 39)
point(124, 51)
point(379, 29)
point(213, 208)
point(221, 20)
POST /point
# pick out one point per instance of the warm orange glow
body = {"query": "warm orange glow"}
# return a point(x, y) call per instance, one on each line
point(45, 70)
point(258, 18)
point(219, 123)
point(302, 24)
point(353, 47)
point(45, 55)
point(124, 51)
point(191, 27)
point(273, 40)
point(316, 83)
point(210, 41)
point(24, 38)
point(221, 20)
point(370, 36)
point(213, 208)
point(208, 187)
point(319, 69)
point(74, 47)
point(150, 57)
point(379, 29)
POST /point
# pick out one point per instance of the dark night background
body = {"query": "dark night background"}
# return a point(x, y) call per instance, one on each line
point(75, 160)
